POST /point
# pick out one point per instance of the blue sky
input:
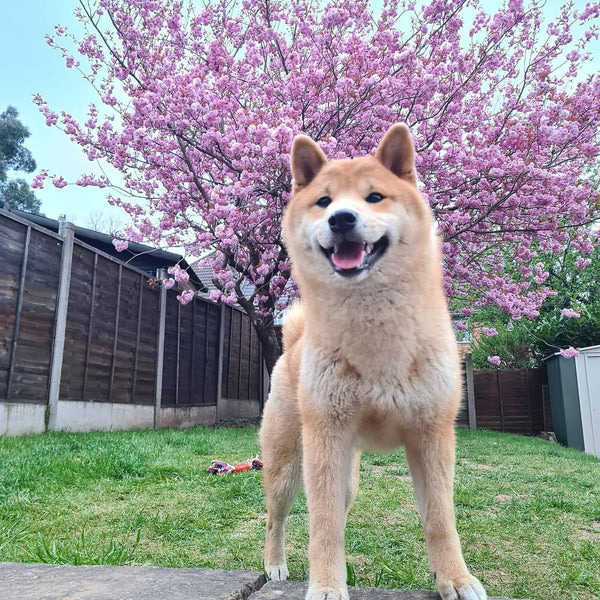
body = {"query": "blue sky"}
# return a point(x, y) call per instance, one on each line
point(29, 66)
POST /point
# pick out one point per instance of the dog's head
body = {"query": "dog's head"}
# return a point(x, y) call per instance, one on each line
point(349, 220)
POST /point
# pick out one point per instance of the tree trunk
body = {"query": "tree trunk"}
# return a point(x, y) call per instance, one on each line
point(265, 329)
point(271, 347)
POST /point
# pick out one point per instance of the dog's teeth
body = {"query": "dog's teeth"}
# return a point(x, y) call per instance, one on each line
point(336, 249)
point(369, 248)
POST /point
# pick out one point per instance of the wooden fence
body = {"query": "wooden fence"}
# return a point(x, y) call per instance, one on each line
point(511, 401)
point(78, 326)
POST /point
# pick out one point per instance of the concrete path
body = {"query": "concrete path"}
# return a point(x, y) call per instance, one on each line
point(62, 582)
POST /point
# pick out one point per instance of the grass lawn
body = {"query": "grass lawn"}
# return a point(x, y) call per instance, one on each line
point(528, 511)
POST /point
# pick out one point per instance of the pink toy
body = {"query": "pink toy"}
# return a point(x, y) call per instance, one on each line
point(219, 467)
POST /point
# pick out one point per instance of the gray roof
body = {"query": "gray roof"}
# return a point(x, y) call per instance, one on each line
point(146, 258)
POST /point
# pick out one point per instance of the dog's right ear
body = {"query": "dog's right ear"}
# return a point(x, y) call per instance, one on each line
point(307, 159)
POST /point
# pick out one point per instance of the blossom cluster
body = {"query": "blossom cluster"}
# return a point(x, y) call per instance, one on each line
point(198, 110)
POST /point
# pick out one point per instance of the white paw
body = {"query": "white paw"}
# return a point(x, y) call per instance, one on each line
point(463, 588)
point(315, 593)
point(277, 572)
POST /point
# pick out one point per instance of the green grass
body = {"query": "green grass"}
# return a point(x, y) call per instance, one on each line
point(528, 511)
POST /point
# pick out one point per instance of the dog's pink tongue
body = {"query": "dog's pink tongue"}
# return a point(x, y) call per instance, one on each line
point(348, 256)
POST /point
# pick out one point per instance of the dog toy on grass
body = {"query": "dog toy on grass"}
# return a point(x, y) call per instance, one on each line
point(219, 467)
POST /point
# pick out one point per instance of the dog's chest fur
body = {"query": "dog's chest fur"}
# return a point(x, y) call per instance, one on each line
point(379, 381)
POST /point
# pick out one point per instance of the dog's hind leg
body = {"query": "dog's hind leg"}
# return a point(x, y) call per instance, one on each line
point(281, 442)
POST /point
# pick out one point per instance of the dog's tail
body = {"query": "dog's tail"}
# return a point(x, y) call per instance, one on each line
point(293, 325)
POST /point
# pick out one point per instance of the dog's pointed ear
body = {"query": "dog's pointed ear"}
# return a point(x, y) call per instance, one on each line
point(307, 159)
point(396, 152)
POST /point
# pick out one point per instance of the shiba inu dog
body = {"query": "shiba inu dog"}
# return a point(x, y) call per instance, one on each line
point(370, 360)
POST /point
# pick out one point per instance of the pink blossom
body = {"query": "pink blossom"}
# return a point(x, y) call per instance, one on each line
point(494, 360)
point(569, 352)
point(186, 297)
point(120, 245)
point(168, 283)
point(38, 181)
point(182, 276)
point(490, 331)
point(569, 312)
point(59, 182)
point(179, 274)
point(200, 125)
point(581, 263)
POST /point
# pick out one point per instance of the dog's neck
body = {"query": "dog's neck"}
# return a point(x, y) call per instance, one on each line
point(370, 320)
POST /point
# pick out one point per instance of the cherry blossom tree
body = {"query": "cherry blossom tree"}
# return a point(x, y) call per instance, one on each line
point(199, 103)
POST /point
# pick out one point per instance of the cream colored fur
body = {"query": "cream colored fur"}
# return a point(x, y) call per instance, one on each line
point(370, 363)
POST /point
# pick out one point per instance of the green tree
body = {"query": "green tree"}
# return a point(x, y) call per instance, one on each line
point(15, 193)
point(525, 343)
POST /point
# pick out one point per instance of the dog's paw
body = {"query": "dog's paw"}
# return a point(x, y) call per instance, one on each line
point(277, 572)
point(461, 588)
point(319, 593)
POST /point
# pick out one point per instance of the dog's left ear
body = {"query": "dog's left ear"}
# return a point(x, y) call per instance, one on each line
point(307, 159)
point(396, 152)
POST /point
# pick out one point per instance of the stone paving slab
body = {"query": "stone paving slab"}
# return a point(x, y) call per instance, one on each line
point(291, 590)
point(62, 582)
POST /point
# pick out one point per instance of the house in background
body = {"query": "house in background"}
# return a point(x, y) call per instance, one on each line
point(145, 258)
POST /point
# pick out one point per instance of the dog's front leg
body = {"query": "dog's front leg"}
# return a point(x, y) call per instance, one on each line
point(430, 455)
point(328, 462)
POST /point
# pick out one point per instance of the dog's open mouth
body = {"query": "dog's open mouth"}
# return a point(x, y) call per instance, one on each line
point(350, 258)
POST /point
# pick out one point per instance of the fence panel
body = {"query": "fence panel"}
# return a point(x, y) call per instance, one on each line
point(145, 388)
point(242, 370)
point(111, 332)
point(487, 400)
point(28, 291)
point(124, 355)
point(187, 336)
point(191, 353)
point(510, 400)
point(11, 256)
point(101, 330)
point(205, 352)
point(462, 419)
point(78, 324)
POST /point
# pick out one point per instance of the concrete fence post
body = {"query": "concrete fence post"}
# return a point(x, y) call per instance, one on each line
point(62, 302)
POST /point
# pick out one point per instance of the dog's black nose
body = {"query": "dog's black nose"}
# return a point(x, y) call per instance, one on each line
point(342, 221)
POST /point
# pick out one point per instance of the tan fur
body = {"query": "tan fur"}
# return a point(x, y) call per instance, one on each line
point(370, 362)
point(294, 325)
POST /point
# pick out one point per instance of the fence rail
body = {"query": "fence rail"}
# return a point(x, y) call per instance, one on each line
point(80, 325)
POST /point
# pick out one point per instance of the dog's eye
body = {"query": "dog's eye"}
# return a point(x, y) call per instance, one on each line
point(374, 197)
point(324, 202)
